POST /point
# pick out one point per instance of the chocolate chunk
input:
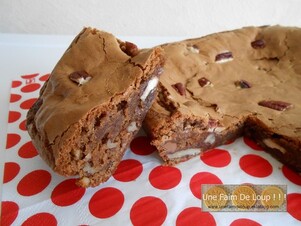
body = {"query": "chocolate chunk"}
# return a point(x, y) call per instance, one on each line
point(122, 105)
point(243, 84)
point(129, 48)
point(223, 57)
point(276, 105)
point(204, 82)
point(179, 87)
point(170, 147)
point(258, 44)
point(80, 77)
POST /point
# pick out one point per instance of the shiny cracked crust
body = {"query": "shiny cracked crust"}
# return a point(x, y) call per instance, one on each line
point(93, 104)
point(221, 86)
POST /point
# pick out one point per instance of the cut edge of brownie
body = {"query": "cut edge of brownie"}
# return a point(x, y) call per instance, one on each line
point(284, 149)
point(200, 137)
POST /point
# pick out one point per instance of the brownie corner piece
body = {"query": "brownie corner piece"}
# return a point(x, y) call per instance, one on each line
point(93, 104)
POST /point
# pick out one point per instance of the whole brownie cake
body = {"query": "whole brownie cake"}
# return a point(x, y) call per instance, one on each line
point(222, 86)
point(93, 104)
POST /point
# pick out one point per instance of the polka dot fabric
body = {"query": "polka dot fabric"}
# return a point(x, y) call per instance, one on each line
point(142, 191)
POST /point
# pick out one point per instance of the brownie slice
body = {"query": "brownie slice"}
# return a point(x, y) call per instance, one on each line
point(222, 86)
point(93, 104)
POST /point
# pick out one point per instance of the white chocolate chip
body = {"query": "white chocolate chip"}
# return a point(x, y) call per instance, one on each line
point(149, 88)
point(193, 49)
point(219, 129)
point(224, 60)
point(88, 157)
point(76, 153)
point(88, 169)
point(272, 144)
point(187, 152)
point(132, 127)
point(216, 129)
point(82, 81)
point(85, 181)
point(210, 130)
point(110, 144)
point(210, 139)
point(170, 97)
point(224, 57)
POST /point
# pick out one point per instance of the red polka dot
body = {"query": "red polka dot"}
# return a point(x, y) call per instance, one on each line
point(244, 221)
point(12, 140)
point(28, 103)
point(148, 210)
point(67, 193)
point(11, 170)
point(38, 219)
point(34, 182)
point(13, 116)
point(10, 212)
point(195, 216)
point(27, 150)
point(22, 125)
point(30, 87)
point(165, 177)
point(14, 98)
point(291, 175)
point(106, 202)
point(252, 144)
point(128, 170)
point(141, 146)
point(255, 165)
point(16, 84)
point(293, 205)
point(30, 76)
point(202, 178)
point(216, 158)
point(44, 77)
